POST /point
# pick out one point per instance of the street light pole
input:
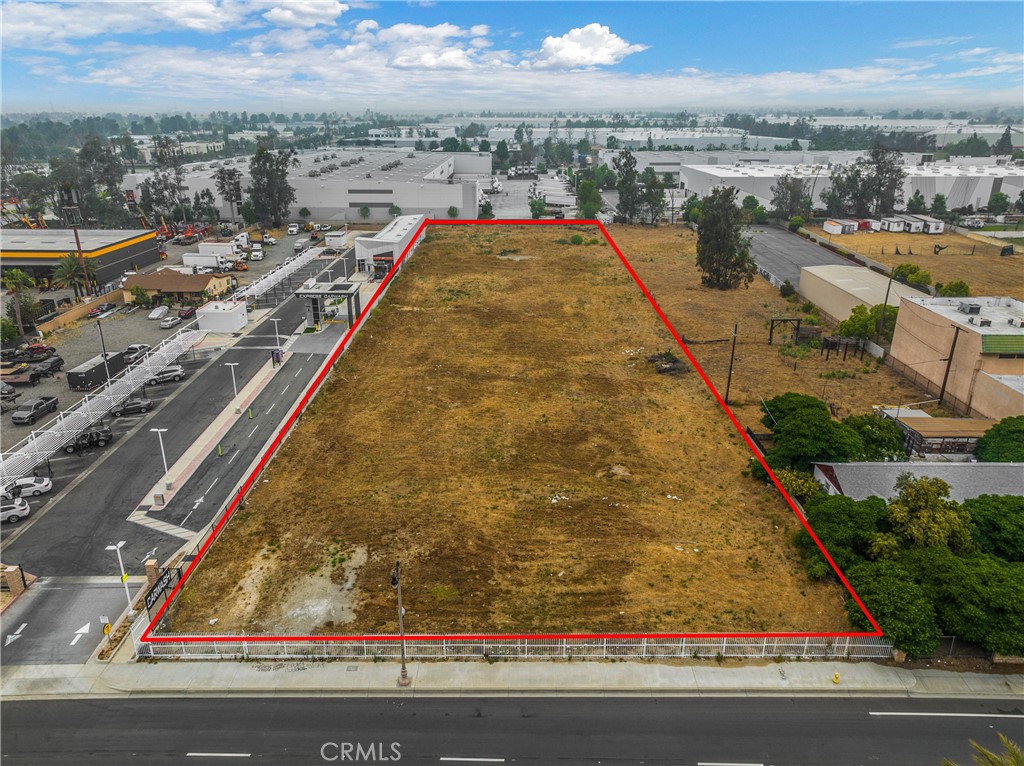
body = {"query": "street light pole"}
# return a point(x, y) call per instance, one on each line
point(163, 455)
point(103, 349)
point(277, 331)
point(120, 568)
point(234, 385)
point(396, 583)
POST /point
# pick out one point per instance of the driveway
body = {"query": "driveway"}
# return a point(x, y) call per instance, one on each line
point(782, 254)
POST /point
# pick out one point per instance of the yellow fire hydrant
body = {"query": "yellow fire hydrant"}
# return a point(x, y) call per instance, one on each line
point(835, 678)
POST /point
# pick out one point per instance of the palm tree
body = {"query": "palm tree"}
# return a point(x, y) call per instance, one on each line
point(68, 273)
point(1011, 755)
point(16, 281)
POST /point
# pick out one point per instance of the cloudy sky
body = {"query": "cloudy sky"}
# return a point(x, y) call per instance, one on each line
point(324, 55)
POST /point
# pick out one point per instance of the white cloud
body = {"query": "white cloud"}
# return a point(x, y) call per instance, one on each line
point(305, 13)
point(589, 46)
point(933, 42)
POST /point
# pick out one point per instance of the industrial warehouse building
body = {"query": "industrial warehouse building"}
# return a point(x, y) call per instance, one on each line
point(335, 184)
point(963, 185)
point(110, 252)
point(378, 252)
point(836, 290)
point(975, 345)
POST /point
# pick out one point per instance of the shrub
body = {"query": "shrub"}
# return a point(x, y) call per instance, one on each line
point(796, 222)
point(576, 239)
point(787, 289)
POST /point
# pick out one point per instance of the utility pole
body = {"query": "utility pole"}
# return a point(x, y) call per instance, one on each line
point(396, 583)
point(885, 310)
point(81, 259)
point(103, 349)
point(732, 356)
point(949, 363)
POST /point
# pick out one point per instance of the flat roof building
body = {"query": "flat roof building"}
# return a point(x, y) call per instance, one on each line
point(378, 252)
point(110, 252)
point(860, 481)
point(836, 290)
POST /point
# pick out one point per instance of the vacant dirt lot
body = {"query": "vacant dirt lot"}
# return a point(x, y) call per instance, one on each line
point(977, 263)
point(496, 426)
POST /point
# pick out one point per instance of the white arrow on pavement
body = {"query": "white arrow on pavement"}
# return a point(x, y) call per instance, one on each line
point(15, 635)
point(79, 633)
point(199, 502)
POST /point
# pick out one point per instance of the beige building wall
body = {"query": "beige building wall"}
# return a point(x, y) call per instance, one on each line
point(994, 399)
point(921, 343)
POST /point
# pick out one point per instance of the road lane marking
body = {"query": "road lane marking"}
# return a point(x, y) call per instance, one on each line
point(271, 407)
point(285, 389)
point(473, 760)
point(234, 456)
point(79, 633)
point(955, 715)
point(309, 357)
point(297, 373)
point(254, 430)
point(218, 755)
point(211, 486)
point(11, 638)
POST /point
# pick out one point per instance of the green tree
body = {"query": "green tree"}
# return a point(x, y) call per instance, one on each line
point(394, 211)
point(628, 185)
point(8, 330)
point(364, 212)
point(588, 200)
point(485, 145)
point(69, 272)
point(955, 289)
point(139, 296)
point(887, 179)
point(1012, 755)
point(998, 525)
point(798, 484)
point(229, 186)
point(882, 438)
point(450, 144)
point(939, 206)
point(1019, 204)
point(537, 207)
point(723, 253)
point(795, 223)
point(501, 151)
point(652, 197)
point(17, 282)
point(911, 274)
point(788, 195)
point(916, 204)
point(304, 213)
point(845, 527)
point(1004, 145)
point(248, 213)
point(486, 211)
point(269, 191)
point(612, 143)
point(878, 321)
point(453, 212)
point(901, 607)
point(1003, 442)
point(693, 210)
point(998, 203)
point(923, 516)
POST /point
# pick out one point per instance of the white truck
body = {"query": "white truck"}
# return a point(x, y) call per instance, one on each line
point(227, 248)
point(205, 261)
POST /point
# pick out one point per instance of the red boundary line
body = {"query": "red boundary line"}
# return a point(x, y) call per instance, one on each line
point(147, 636)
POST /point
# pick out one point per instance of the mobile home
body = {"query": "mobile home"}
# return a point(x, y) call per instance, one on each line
point(911, 224)
point(893, 224)
point(931, 225)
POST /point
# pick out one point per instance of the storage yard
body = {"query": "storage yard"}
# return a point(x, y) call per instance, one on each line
point(498, 428)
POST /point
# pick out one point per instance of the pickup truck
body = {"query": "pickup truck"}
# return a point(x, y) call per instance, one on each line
point(31, 410)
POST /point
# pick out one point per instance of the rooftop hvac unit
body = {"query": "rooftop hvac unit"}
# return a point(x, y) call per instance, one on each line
point(984, 322)
point(969, 308)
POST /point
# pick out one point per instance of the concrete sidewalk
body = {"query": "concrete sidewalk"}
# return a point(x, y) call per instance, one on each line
point(502, 679)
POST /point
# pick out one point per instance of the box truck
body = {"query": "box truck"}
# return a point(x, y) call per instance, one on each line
point(205, 261)
point(227, 248)
point(92, 374)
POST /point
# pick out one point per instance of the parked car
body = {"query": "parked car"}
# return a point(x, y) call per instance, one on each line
point(313, 236)
point(135, 352)
point(14, 510)
point(269, 240)
point(98, 436)
point(168, 322)
point(325, 227)
point(159, 312)
point(7, 391)
point(293, 228)
point(27, 486)
point(30, 411)
point(187, 312)
point(132, 407)
point(173, 373)
point(50, 367)
point(102, 309)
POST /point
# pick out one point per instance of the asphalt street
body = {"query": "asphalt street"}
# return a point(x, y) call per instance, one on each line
point(782, 254)
point(677, 731)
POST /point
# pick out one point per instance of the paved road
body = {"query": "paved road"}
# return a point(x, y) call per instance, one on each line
point(525, 731)
point(783, 254)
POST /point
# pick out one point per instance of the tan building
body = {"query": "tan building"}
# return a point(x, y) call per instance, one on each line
point(181, 288)
point(986, 368)
point(836, 289)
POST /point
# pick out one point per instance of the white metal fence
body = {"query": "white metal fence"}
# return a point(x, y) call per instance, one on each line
point(456, 648)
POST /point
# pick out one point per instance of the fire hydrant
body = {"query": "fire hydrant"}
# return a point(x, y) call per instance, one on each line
point(835, 678)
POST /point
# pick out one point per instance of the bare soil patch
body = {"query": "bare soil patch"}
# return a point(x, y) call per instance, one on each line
point(976, 263)
point(497, 427)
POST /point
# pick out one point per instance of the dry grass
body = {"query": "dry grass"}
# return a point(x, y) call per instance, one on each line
point(984, 269)
point(496, 427)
